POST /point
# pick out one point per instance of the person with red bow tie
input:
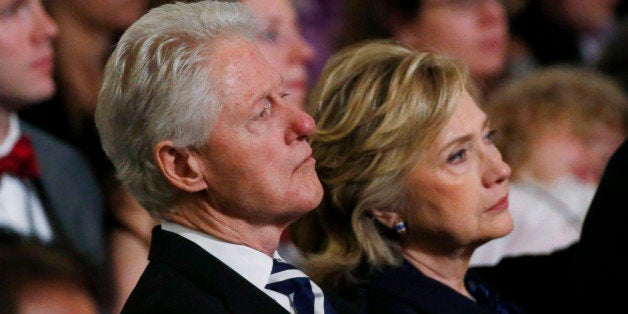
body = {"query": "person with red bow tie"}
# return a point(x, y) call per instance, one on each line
point(47, 190)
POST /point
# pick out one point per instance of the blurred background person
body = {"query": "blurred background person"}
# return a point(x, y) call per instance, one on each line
point(475, 32)
point(561, 32)
point(88, 30)
point(558, 128)
point(413, 183)
point(47, 190)
point(39, 278)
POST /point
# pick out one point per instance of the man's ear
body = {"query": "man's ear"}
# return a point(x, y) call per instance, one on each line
point(386, 217)
point(182, 167)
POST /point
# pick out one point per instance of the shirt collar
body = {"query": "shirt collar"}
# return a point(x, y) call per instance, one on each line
point(251, 264)
point(13, 135)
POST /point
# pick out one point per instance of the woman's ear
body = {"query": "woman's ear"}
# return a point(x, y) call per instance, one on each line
point(182, 167)
point(386, 217)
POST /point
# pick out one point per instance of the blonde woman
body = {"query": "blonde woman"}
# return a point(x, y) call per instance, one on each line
point(413, 183)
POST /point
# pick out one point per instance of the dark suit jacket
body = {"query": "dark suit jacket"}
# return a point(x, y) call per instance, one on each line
point(183, 278)
point(601, 266)
point(404, 289)
point(71, 196)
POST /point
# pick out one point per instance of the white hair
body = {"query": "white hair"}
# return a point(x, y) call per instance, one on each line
point(157, 86)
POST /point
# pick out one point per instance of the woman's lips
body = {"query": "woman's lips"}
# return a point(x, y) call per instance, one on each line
point(44, 64)
point(502, 204)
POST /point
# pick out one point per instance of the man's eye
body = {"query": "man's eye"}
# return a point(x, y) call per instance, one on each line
point(266, 110)
point(13, 9)
point(490, 136)
point(268, 35)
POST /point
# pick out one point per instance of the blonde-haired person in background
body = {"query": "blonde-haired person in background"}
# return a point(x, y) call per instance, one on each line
point(558, 128)
point(413, 183)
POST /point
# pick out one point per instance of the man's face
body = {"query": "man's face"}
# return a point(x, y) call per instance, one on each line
point(26, 63)
point(258, 162)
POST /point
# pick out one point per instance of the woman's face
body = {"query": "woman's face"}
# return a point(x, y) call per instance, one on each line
point(281, 43)
point(26, 56)
point(474, 31)
point(458, 190)
point(560, 152)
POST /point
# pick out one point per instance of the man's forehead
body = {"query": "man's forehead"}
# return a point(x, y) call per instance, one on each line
point(241, 69)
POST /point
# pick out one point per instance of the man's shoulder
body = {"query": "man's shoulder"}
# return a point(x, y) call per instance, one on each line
point(162, 289)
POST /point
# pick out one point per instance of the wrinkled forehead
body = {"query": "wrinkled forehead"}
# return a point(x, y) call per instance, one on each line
point(240, 70)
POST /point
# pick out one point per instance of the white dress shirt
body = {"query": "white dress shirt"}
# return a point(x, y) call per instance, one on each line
point(251, 264)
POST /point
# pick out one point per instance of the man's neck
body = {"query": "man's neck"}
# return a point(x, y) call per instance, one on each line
point(261, 238)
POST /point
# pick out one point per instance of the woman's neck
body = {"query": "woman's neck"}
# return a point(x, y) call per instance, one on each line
point(448, 270)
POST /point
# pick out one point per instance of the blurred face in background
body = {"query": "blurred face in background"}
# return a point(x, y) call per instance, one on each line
point(560, 152)
point(474, 31)
point(598, 150)
point(26, 56)
point(55, 297)
point(103, 15)
point(281, 43)
point(589, 15)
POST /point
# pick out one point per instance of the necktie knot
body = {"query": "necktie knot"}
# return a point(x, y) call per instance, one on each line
point(21, 160)
point(289, 280)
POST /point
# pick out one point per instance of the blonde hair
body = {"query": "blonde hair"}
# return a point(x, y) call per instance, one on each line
point(378, 105)
point(579, 97)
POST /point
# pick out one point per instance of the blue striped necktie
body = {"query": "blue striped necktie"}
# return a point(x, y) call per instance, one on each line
point(306, 296)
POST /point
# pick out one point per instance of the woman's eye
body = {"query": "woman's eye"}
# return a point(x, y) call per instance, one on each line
point(457, 157)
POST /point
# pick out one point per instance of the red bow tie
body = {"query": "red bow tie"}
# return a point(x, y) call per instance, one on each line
point(21, 160)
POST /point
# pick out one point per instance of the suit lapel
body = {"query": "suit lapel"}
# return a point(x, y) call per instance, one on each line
point(210, 274)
